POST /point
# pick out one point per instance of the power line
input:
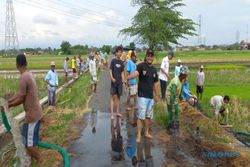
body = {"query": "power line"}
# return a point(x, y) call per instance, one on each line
point(71, 15)
point(65, 13)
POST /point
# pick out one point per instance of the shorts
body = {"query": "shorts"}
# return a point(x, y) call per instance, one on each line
point(93, 79)
point(199, 89)
point(116, 89)
point(133, 90)
point(74, 70)
point(145, 108)
point(31, 133)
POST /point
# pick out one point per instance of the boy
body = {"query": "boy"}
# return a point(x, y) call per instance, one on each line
point(116, 72)
point(65, 67)
point(131, 67)
point(73, 66)
point(92, 70)
point(148, 79)
point(52, 80)
point(200, 82)
point(28, 96)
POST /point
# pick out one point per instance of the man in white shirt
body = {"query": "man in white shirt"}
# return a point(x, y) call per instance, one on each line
point(65, 67)
point(177, 68)
point(200, 83)
point(220, 105)
point(164, 73)
point(92, 70)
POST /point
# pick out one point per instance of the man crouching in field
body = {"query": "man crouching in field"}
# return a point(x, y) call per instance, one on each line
point(28, 96)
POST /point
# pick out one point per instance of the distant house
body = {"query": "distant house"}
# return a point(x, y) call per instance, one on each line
point(244, 45)
point(40, 52)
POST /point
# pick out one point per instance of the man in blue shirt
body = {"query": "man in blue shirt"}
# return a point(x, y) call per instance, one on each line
point(132, 84)
point(52, 80)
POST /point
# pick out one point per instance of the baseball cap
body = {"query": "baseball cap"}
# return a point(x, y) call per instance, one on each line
point(184, 70)
point(171, 53)
point(150, 51)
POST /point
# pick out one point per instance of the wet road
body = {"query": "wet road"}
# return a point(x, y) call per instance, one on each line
point(104, 143)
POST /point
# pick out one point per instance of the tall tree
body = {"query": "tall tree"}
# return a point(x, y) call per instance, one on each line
point(132, 45)
point(65, 47)
point(159, 23)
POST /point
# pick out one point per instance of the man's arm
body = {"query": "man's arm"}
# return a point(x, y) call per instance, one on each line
point(17, 101)
point(134, 75)
point(111, 76)
point(164, 72)
point(156, 91)
point(12, 99)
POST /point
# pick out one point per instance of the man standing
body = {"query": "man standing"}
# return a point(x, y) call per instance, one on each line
point(177, 68)
point(131, 67)
point(73, 66)
point(164, 73)
point(28, 96)
point(200, 83)
point(148, 79)
point(220, 105)
point(174, 92)
point(116, 72)
point(52, 81)
point(65, 67)
point(92, 70)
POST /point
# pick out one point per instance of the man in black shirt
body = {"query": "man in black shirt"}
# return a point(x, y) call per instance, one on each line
point(148, 80)
point(116, 73)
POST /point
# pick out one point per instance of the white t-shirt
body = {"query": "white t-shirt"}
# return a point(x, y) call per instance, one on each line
point(200, 78)
point(217, 103)
point(165, 67)
point(92, 67)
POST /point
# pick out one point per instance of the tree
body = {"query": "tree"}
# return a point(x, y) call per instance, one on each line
point(106, 48)
point(65, 47)
point(158, 22)
point(132, 45)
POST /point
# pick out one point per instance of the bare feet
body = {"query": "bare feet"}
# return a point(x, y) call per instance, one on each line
point(119, 115)
point(138, 138)
point(147, 135)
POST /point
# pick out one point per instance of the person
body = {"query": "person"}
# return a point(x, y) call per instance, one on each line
point(92, 70)
point(79, 64)
point(164, 73)
point(189, 97)
point(28, 96)
point(177, 68)
point(147, 89)
point(200, 83)
point(117, 141)
point(130, 68)
point(174, 90)
point(73, 66)
point(220, 105)
point(116, 72)
point(52, 80)
point(105, 57)
point(65, 67)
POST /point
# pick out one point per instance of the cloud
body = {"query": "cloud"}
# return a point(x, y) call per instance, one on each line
point(247, 2)
point(44, 19)
point(200, 2)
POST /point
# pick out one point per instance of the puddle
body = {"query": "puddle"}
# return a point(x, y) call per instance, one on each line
point(112, 143)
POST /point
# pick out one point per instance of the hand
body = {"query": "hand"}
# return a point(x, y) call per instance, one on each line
point(113, 80)
point(128, 84)
point(2, 109)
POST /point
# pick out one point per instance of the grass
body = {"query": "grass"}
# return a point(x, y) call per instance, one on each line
point(35, 62)
point(224, 67)
point(203, 56)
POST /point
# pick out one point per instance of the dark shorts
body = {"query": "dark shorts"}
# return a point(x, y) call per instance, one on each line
point(199, 89)
point(31, 134)
point(74, 70)
point(116, 89)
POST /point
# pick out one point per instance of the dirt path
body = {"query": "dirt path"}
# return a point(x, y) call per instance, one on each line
point(105, 143)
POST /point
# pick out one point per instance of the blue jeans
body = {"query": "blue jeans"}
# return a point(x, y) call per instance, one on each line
point(52, 98)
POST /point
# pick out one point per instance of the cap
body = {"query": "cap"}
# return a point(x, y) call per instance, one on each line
point(202, 67)
point(171, 53)
point(184, 70)
point(52, 63)
point(179, 61)
point(150, 51)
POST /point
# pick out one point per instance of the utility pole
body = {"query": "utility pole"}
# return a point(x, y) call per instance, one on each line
point(11, 38)
point(199, 31)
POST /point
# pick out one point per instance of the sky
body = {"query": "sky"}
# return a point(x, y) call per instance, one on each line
point(44, 23)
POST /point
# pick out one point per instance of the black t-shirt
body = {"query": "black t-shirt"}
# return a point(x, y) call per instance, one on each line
point(147, 77)
point(117, 68)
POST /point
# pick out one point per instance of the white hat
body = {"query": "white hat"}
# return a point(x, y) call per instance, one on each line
point(202, 67)
point(179, 61)
point(52, 63)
